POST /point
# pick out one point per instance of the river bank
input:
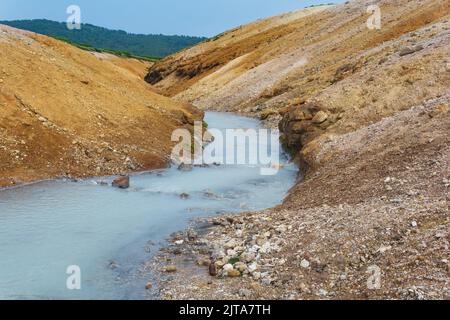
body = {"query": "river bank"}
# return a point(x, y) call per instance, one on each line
point(79, 114)
point(110, 233)
point(372, 200)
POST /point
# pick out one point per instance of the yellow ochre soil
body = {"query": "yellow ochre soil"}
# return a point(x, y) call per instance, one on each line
point(68, 112)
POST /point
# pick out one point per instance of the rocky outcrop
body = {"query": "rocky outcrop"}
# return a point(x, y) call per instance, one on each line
point(302, 124)
point(122, 182)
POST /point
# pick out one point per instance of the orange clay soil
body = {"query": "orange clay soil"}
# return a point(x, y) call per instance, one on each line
point(68, 112)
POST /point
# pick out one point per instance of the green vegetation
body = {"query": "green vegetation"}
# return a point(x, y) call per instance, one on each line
point(124, 54)
point(118, 42)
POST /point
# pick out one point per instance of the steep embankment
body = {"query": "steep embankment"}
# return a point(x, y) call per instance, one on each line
point(67, 112)
point(366, 112)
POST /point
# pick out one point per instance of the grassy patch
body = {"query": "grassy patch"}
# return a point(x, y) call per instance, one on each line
point(123, 54)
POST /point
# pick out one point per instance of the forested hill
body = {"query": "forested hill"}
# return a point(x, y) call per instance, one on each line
point(151, 45)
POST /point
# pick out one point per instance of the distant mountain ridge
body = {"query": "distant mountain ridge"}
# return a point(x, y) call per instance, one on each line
point(151, 45)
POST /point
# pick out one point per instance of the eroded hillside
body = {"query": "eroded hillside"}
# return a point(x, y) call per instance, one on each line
point(366, 113)
point(318, 59)
point(67, 112)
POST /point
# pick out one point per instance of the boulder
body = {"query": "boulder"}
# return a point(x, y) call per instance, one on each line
point(171, 269)
point(408, 50)
point(185, 167)
point(184, 196)
point(122, 182)
point(212, 270)
point(233, 273)
point(320, 117)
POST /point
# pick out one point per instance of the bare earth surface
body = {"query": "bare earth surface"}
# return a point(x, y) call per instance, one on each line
point(67, 112)
point(366, 115)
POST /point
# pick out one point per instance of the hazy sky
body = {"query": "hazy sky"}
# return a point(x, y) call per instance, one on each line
point(189, 17)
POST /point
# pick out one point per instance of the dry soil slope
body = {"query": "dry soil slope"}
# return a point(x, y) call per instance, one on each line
point(323, 55)
point(67, 112)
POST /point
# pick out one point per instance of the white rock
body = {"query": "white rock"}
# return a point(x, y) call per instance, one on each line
point(252, 267)
point(414, 224)
point(305, 264)
point(383, 249)
point(231, 244)
point(228, 267)
point(323, 292)
point(266, 248)
point(245, 293)
point(256, 275)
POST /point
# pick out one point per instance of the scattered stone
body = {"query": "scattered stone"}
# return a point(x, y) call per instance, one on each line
point(219, 264)
point(305, 264)
point(192, 235)
point(408, 50)
point(320, 117)
point(414, 224)
point(203, 262)
point(241, 267)
point(171, 269)
point(252, 267)
point(184, 196)
point(233, 273)
point(228, 267)
point(323, 292)
point(185, 167)
point(383, 249)
point(122, 182)
point(245, 293)
point(213, 269)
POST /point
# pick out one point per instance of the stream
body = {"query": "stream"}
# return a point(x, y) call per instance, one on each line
point(110, 233)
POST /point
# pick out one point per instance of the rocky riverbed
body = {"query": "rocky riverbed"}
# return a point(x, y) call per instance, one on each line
point(378, 201)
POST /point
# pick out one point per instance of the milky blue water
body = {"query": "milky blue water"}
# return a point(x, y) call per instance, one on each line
point(48, 226)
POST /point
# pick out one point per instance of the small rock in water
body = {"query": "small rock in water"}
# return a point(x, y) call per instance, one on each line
point(184, 196)
point(122, 182)
point(148, 286)
point(185, 167)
